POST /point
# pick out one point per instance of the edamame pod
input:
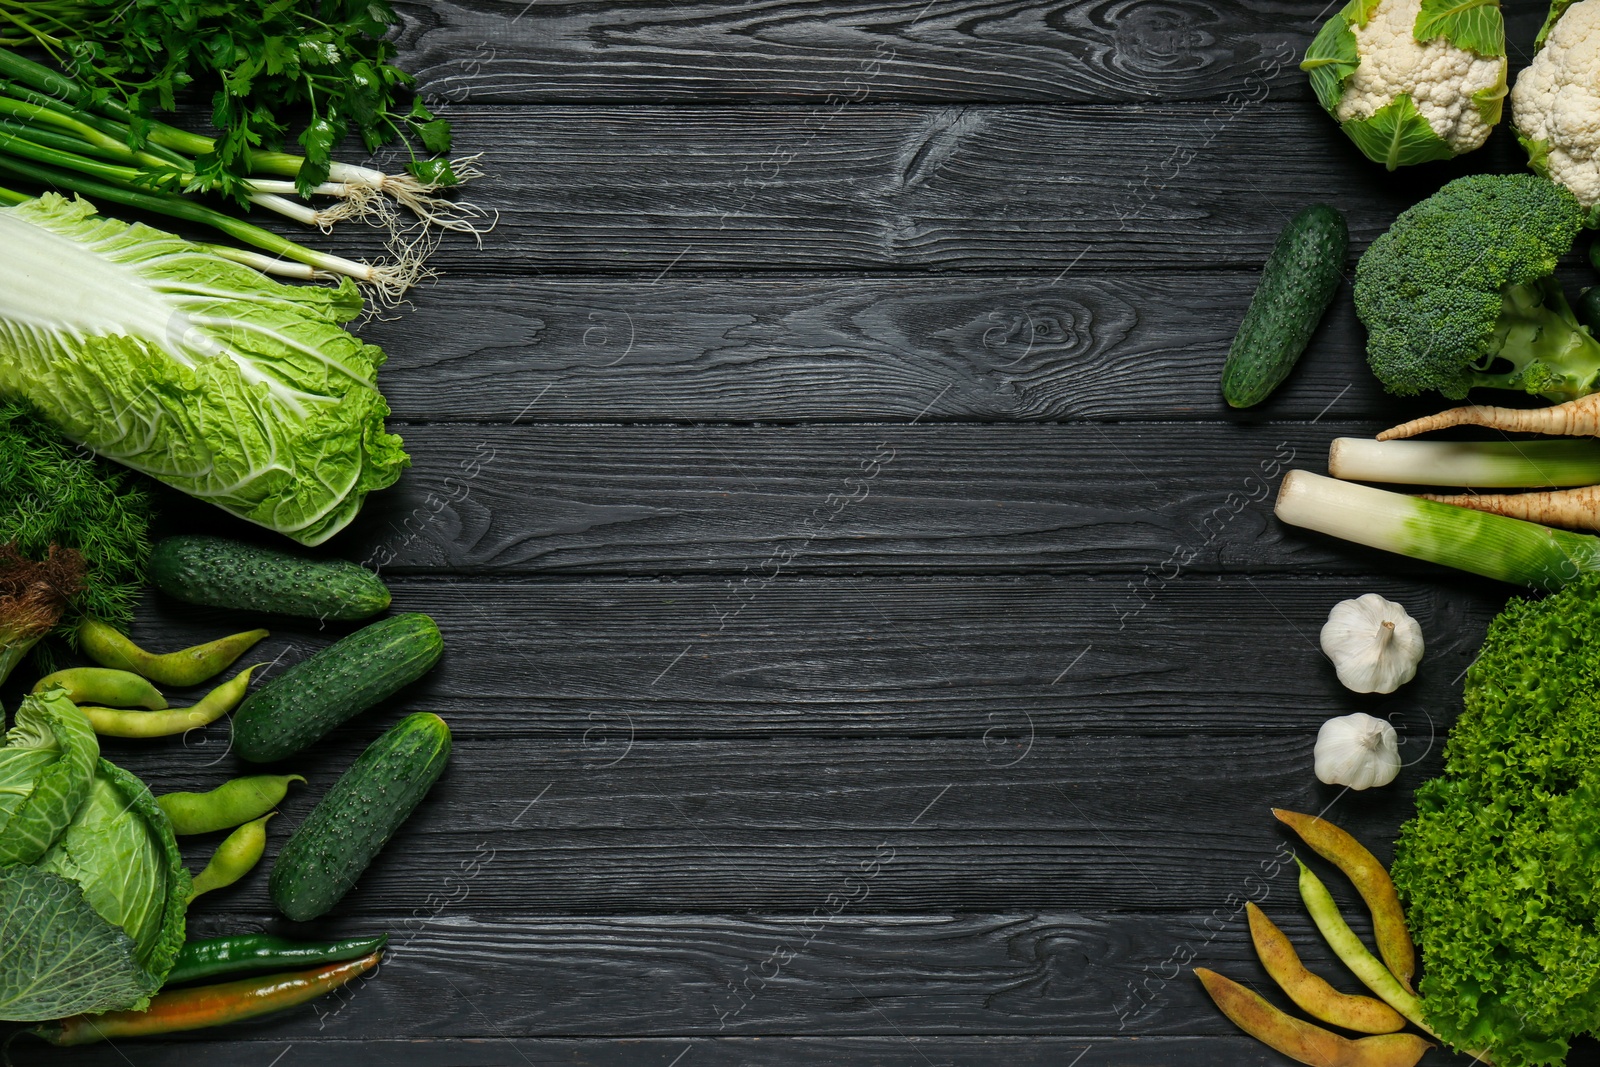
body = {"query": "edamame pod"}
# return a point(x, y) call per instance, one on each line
point(1300, 1040)
point(112, 722)
point(101, 685)
point(238, 854)
point(1371, 881)
point(110, 647)
point(1314, 995)
point(230, 804)
point(1348, 947)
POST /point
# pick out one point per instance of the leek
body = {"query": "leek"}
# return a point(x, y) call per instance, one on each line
point(1479, 464)
point(1494, 546)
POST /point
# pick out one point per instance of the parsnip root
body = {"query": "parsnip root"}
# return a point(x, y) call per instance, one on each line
point(1575, 418)
point(1571, 509)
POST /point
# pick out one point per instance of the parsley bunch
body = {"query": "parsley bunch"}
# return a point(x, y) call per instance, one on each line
point(313, 70)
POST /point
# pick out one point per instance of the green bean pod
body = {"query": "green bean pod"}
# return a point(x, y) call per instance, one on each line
point(230, 804)
point(111, 722)
point(100, 685)
point(110, 647)
point(1348, 947)
point(238, 854)
point(218, 957)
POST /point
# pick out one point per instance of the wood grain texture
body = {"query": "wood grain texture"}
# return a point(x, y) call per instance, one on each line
point(898, 658)
point(959, 188)
point(891, 1051)
point(1142, 347)
point(1020, 973)
point(1069, 51)
point(1146, 499)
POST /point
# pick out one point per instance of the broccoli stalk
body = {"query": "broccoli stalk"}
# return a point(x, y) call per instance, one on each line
point(1551, 353)
point(1459, 293)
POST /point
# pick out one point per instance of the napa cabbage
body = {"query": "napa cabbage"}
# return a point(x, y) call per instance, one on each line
point(205, 374)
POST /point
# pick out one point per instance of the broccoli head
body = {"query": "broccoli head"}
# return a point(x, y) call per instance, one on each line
point(1459, 293)
point(1500, 868)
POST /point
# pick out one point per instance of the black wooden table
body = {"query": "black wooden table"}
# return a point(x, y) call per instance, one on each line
point(869, 640)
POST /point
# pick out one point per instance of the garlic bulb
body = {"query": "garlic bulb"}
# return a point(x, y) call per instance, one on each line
point(1358, 751)
point(1375, 646)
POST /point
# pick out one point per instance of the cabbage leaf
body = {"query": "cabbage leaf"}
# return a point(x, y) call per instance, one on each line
point(57, 956)
point(46, 768)
point(121, 851)
point(205, 374)
point(95, 924)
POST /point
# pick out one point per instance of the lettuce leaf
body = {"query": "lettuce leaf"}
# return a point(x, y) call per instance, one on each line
point(234, 388)
point(47, 766)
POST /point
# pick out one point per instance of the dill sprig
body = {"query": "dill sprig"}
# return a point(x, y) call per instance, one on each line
point(54, 493)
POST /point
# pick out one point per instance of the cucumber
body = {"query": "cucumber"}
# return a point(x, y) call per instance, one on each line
point(351, 824)
point(344, 679)
point(1297, 285)
point(220, 573)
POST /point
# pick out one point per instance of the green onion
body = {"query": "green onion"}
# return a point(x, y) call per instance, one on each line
point(388, 282)
point(1480, 464)
point(1494, 546)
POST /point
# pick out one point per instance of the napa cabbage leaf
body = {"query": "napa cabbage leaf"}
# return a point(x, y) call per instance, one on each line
point(205, 374)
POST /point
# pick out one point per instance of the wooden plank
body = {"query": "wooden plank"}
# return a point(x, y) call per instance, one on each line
point(1006, 775)
point(1098, 347)
point(547, 662)
point(495, 1050)
point(1148, 500)
point(1055, 972)
point(848, 51)
point(1009, 189)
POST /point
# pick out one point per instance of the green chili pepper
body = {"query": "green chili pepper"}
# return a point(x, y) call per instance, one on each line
point(100, 685)
point(110, 722)
point(110, 647)
point(230, 804)
point(245, 953)
point(239, 852)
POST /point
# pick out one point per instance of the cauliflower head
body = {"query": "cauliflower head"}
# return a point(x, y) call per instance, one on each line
point(1556, 103)
point(1412, 80)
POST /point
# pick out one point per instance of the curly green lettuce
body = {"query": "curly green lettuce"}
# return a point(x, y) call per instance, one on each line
point(1500, 868)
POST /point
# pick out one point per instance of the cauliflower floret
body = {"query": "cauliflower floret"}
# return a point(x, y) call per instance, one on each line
point(1441, 78)
point(1557, 102)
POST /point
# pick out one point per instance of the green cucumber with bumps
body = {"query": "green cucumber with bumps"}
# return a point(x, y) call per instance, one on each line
point(302, 704)
point(1297, 284)
point(220, 573)
point(349, 826)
